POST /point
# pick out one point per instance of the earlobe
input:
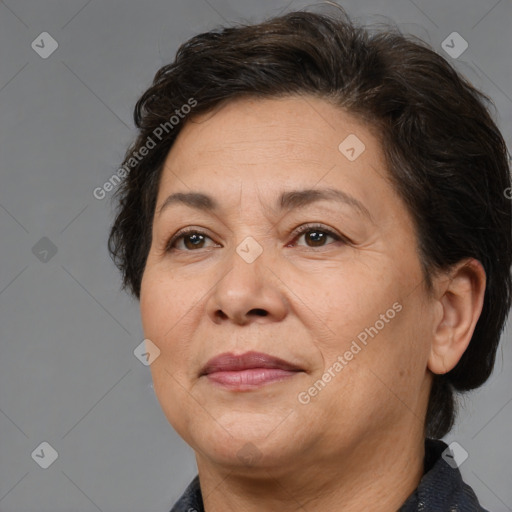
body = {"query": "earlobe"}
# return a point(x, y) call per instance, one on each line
point(460, 300)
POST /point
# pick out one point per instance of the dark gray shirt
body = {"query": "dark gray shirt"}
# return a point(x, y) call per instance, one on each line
point(441, 488)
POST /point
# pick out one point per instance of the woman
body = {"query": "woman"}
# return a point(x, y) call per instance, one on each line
point(316, 225)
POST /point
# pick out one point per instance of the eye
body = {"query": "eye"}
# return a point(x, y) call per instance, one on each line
point(192, 239)
point(317, 235)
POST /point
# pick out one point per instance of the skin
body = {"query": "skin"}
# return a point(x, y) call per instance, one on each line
point(358, 444)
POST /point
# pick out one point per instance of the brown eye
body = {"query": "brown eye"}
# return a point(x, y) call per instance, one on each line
point(193, 241)
point(189, 241)
point(316, 236)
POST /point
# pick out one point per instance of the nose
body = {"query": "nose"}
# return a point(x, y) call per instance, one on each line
point(248, 292)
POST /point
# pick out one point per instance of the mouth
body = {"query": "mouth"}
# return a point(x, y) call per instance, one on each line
point(247, 371)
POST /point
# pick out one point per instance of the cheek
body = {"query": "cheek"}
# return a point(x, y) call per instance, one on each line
point(396, 357)
point(163, 302)
point(381, 379)
point(169, 311)
point(347, 305)
point(379, 329)
point(161, 310)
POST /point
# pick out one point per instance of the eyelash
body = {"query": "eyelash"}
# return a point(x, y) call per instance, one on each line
point(297, 233)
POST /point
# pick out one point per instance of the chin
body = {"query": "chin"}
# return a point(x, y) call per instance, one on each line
point(242, 454)
point(243, 443)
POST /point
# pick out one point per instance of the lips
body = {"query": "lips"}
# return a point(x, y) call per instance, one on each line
point(229, 362)
point(248, 371)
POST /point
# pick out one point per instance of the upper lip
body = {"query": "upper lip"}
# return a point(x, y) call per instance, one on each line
point(231, 362)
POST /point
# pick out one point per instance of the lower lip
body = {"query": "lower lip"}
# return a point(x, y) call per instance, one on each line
point(251, 378)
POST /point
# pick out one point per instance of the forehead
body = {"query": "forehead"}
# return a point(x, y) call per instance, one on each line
point(274, 145)
point(297, 126)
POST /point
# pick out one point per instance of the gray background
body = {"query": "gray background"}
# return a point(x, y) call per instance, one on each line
point(68, 374)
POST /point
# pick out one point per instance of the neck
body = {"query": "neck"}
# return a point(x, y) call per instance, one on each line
point(377, 476)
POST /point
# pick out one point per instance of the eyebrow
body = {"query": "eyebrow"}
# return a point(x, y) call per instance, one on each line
point(288, 200)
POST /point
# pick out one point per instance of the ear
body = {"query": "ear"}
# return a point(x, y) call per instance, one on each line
point(460, 297)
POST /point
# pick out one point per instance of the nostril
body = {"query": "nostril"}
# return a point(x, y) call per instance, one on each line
point(259, 312)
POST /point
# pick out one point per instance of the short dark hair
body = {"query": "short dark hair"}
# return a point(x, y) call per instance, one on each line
point(445, 155)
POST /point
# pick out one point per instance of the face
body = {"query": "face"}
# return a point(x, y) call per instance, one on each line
point(328, 281)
